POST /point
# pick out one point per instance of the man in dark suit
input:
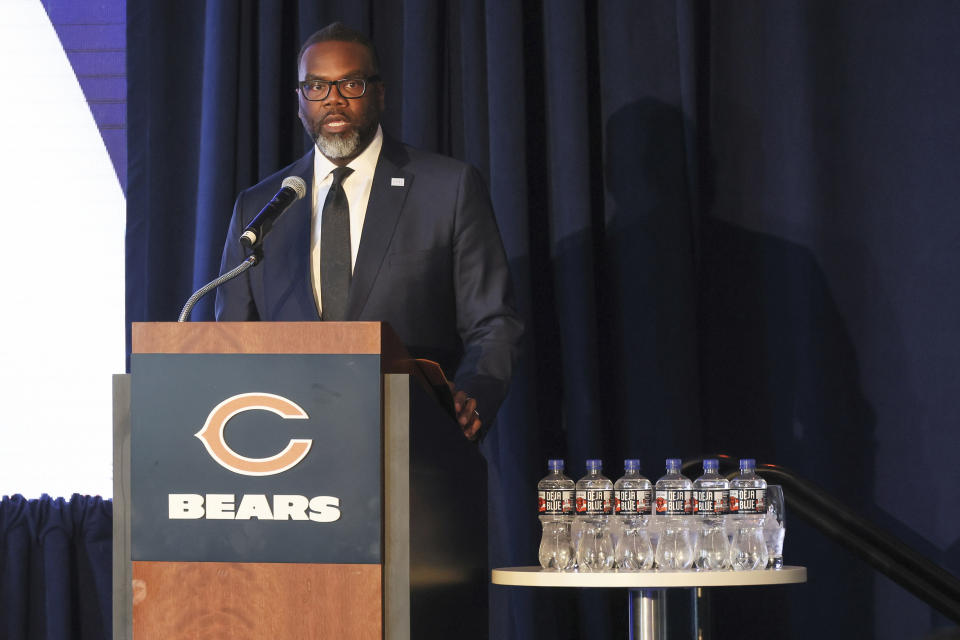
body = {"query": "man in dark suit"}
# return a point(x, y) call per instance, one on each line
point(400, 235)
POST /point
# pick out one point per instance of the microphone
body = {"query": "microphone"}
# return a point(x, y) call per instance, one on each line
point(292, 189)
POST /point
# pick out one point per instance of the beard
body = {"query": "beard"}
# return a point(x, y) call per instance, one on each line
point(348, 144)
point(338, 145)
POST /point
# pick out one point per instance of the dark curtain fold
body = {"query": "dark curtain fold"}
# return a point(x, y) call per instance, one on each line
point(55, 568)
point(730, 227)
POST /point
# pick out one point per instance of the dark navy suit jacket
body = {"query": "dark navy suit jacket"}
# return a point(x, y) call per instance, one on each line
point(430, 262)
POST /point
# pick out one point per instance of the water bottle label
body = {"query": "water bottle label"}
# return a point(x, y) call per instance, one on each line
point(674, 502)
point(595, 502)
point(710, 501)
point(631, 501)
point(747, 501)
point(555, 503)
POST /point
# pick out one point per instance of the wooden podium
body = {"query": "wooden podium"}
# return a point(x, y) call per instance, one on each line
point(270, 483)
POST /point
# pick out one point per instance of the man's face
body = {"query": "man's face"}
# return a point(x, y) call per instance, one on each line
point(341, 128)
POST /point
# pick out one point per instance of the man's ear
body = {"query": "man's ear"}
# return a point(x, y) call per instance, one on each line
point(299, 103)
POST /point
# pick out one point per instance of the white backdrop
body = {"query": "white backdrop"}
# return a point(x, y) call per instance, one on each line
point(62, 214)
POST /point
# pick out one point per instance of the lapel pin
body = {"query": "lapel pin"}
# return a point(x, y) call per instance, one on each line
point(396, 182)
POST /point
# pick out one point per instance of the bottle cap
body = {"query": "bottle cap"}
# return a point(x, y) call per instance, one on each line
point(747, 463)
point(673, 464)
point(711, 464)
point(594, 464)
point(555, 465)
point(631, 464)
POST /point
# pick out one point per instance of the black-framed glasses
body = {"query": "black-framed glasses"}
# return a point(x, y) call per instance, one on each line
point(350, 88)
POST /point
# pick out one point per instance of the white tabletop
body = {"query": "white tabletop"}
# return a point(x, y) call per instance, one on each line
point(537, 577)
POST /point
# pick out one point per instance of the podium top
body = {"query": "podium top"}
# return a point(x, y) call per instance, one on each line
point(269, 337)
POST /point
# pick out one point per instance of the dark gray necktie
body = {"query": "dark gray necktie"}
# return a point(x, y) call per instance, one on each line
point(335, 271)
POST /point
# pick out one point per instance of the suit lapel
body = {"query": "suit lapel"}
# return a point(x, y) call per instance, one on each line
point(387, 195)
point(287, 263)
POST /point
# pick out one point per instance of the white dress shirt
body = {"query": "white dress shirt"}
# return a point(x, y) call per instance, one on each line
point(357, 188)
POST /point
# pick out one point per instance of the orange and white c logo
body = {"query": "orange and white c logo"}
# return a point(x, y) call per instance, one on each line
point(212, 435)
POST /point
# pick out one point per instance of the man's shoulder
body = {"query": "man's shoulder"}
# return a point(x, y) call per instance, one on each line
point(267, 187)
point(418, 160)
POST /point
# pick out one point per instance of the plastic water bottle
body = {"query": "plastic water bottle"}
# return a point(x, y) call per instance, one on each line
point(748, 504)
point(631, 508)
point(711, 499)
point(555, 494)
point(594, 506)
point(673, 508)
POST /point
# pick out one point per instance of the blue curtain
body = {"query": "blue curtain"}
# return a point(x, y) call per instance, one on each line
point(731, 227)
point(55, 568)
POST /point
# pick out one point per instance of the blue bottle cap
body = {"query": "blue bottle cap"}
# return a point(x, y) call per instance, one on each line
point(711, 464)
point(555, 465)
point(631, 464)
point(747, 463)
point(673, 463)
point(594, 464)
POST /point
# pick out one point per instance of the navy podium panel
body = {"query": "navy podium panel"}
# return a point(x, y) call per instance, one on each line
point(256, 458)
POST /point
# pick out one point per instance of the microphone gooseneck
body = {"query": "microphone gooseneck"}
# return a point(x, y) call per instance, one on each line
point(213, 284)
point(292, 189)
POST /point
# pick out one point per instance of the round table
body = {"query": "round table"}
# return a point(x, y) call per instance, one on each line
point(647, 588)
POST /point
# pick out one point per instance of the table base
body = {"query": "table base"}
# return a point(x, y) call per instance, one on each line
point(649, 619)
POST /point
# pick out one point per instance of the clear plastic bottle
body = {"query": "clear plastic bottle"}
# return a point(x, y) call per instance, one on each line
point(555, 495)
point(673, 508)
point(631, 508)
point(711, 499)
point(594, 506)
point(748, 504)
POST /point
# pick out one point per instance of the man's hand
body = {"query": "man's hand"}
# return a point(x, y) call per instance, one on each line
point(467, 414)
